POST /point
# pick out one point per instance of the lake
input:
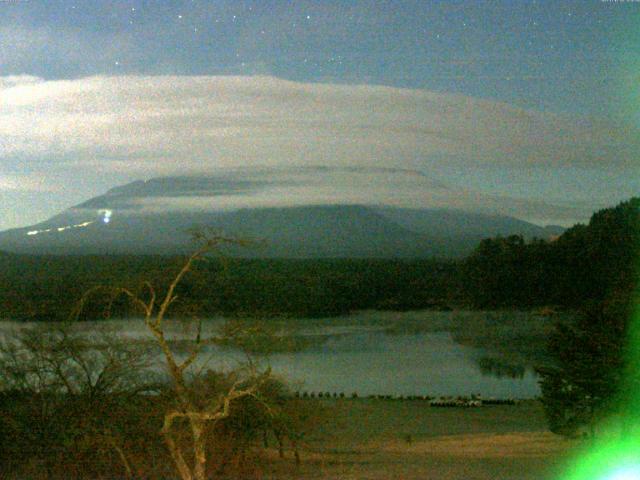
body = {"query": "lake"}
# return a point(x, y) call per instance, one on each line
point(373, 353)
point(418, 364)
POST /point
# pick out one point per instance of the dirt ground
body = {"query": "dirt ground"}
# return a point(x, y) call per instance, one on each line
point(391, 439)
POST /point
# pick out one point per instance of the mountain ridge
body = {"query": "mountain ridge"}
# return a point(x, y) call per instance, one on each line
point(120, 221)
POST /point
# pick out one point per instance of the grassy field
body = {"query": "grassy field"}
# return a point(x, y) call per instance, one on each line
point(392, 439)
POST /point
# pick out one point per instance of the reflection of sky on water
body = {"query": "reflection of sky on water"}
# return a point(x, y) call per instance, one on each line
point(355, 358)
point(427, 364)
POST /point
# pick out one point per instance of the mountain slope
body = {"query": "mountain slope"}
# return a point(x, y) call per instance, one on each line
point(128, 219)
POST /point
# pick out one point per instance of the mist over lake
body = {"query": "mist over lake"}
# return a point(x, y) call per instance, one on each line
point(368, 353)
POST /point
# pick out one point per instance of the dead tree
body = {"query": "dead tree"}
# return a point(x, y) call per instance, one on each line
point(199, 417)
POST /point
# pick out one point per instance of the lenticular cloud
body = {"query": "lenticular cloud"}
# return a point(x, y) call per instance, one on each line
point(171, 124)
point(80, 132)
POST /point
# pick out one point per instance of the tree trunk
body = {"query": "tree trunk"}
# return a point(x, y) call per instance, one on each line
point(178, 459)
point(123, 459)
point(296, 453)
point(199, 449)
point(280, 444)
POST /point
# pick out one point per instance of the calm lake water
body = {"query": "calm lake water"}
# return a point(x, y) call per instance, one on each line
point(366, 359)
point(419, 364)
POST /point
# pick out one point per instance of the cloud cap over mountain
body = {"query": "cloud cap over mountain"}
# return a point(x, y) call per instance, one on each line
point(95, 132)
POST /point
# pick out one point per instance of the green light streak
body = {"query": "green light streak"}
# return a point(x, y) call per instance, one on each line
point(617, 460)
point(617, 456)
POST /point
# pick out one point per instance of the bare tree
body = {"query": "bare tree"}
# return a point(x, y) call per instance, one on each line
point(62, 384)
point(197, 415)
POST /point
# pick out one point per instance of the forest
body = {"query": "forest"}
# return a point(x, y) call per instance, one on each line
point(593, 262)
point(590, 262)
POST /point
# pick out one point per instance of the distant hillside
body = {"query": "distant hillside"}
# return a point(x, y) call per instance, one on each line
point(459, 231)
point(122, 222)
point(587, 263)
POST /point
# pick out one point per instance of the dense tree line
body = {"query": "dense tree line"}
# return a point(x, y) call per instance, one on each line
point(591, 262)
point(40, 288)
point(588, 369)
point(592, 370)
point(592, 269)
point(587, 262)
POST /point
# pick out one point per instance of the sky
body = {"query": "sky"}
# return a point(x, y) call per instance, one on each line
point(530, 108)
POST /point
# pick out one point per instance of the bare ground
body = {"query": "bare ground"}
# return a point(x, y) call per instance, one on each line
point(379, 440)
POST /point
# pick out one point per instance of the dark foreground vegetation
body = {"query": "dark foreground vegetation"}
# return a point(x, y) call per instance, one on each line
point(77, 404)
point(592, 372)
point(71, 409)
point(345, 438)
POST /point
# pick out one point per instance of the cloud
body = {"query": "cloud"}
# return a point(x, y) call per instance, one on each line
point(375, 140)
point(281, 187)
point(26, 183)
point(176, 124)
point(11, 81)
point(323, 194)
point(294, 186)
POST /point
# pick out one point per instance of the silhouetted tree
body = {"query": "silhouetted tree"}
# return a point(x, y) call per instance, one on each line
point(66, 399)
point(187, 409)
point(580, 386)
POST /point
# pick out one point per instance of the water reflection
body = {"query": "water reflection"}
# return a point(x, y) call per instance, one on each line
point(421, 364)
point(356, 357)
point(501, 368)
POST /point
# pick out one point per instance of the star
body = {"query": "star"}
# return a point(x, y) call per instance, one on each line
point(179, 16)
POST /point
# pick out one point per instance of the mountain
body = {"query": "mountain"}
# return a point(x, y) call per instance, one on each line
point(155, 216)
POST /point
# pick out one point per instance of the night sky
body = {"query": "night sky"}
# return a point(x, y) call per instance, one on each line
point(534, 101)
